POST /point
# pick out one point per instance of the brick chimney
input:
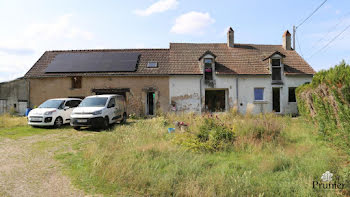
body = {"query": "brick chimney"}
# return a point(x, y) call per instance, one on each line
point(286, 40)
point(230, 37)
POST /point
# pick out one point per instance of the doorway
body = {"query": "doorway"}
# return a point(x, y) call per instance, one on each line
point(150, 103)
point(215, 100)
point(276, 99)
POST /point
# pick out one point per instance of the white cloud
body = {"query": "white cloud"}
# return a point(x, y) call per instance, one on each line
point(192, 23)
point(21, 50)
point(62, 27)
point(157, 7)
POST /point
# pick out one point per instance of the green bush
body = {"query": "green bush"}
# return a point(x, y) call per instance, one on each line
point(326, 102)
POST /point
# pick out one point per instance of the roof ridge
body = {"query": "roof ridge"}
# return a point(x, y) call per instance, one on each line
point(224, 43)
point(105, 50)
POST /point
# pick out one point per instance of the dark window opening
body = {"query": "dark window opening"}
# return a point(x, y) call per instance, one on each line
point(276, 74)
point(72, 103)
point(15, 105)
point(215, 100)
point(150, 103)
point(276, 99)
point(208, 72)
point(111, 103)
point(276, 62)
point(291, 94)
point(76, 82)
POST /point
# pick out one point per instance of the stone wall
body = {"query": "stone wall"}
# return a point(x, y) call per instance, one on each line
point(60, 87)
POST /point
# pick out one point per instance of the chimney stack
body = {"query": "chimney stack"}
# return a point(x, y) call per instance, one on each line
point(286, 40)
point(230, 37)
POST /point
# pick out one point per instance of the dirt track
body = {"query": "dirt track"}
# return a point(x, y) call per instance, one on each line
point(28, 167)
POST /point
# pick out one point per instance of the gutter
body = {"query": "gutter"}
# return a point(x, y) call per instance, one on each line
point(200, 93)
point(237, 93)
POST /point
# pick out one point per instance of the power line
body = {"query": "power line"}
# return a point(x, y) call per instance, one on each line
point(347, 27)
point(299, 46)
point(312, 13)
point(330, 30)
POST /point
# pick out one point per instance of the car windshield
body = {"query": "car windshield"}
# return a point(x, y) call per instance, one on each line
point(94, 102)
point(51, 104)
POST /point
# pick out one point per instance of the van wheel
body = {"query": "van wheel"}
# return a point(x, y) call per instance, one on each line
point(58, 122)
point(105, 123)
point(123, 121)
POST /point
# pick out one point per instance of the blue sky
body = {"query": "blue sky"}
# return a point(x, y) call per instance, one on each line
point(29, 28)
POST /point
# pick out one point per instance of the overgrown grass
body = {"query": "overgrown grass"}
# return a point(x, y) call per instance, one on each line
point(266, 155)
point(9, 121)
point(15, 127)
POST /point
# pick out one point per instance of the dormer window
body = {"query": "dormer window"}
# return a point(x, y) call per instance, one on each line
point(208, 70)
point(152, 64)
point(276, 62)
point(276, 69)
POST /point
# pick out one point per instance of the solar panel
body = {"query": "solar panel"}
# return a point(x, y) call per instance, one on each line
point(93, 62)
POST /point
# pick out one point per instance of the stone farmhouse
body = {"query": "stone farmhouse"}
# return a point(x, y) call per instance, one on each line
point(186, 77)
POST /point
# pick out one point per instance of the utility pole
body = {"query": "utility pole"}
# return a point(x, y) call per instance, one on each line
point(294, 31)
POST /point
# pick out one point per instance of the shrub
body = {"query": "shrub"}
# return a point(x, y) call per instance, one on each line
point(213, 135)
point(326, 101)
point(225, 132)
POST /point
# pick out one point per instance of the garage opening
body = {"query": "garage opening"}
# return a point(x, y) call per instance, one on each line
point(150, 103)
point(215, 100)
point(118, 91)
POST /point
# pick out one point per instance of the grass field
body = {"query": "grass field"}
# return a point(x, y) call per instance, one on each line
point(224, 155)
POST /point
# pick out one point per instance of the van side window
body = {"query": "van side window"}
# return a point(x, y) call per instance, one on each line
point(111, 103)
point(72, 103)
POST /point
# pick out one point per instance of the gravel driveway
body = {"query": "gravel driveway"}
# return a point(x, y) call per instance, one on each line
point(28, 167)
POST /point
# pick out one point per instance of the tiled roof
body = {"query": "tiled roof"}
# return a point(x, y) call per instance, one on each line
point(159, 55)
point(242, 59)
point(182, 58)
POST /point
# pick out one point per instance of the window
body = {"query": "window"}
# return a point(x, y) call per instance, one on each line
point(208, 69)
point(276, 73)
point(111, 103)
point(152, 64)
point(76, 82)
point(258, 94)
point(72, 103)
point(276, 62)
point(208, 61)
point(276, 69)
point(291, 94)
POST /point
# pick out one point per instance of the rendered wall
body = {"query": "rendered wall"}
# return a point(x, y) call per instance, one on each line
point(185, 92)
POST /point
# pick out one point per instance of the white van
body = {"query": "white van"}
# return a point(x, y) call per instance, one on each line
point(53, 112)
point(99, 111)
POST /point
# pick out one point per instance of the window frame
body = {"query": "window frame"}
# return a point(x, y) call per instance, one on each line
point(294, 100)
point(255, 96)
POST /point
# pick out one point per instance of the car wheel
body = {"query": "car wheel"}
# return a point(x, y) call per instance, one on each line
point(123, 121)
point(58, 122)
point(77, 128)
point(105, 123)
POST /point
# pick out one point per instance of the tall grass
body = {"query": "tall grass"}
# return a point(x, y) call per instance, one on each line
point(8, 121)
point(269, 155)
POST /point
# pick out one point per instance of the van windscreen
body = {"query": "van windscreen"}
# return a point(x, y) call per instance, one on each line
point(93, 102)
